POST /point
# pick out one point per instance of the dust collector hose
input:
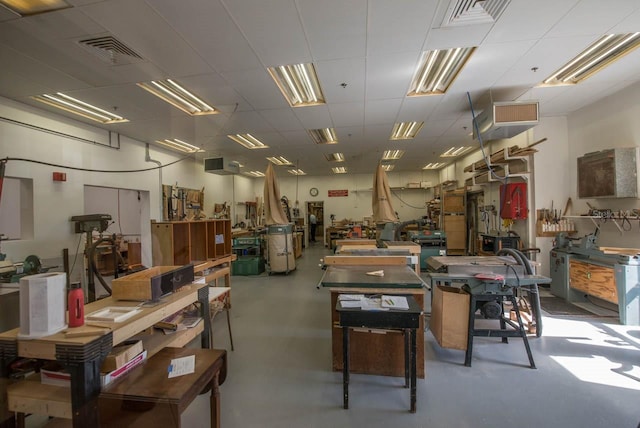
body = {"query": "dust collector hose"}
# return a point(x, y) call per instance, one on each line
point(532, 289)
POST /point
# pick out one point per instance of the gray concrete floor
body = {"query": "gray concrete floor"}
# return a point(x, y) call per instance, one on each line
point(280, 373)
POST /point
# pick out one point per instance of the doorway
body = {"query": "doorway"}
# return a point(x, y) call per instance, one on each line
point(316, 208)
point(476, 223)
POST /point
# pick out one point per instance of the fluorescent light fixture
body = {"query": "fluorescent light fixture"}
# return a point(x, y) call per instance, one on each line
point(388, 167)
point(600, 54)
point(279, 160)
point(179, 145)
point(248, 141)
point(392, 154)
point(32, 7)
point(255, 173)
point(179, 97)
point(437, 69)
point(434, 165)
point(455, 151)
point(297, 172)
point(298, 83)
point(339, 170)
point(75, 106)
point(323, 136)
point(405, 130)
point(334, 157)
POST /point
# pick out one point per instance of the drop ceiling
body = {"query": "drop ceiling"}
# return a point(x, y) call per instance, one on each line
point(365, 54)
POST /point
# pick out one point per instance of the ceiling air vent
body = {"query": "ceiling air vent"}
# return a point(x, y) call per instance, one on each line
point(470, 12)
point(110, 50)
point(506, 119)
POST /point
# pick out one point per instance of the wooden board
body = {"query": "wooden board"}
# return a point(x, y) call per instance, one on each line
point(366, 260)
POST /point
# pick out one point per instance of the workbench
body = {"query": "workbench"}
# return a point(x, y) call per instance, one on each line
point(83, 356)
point(372, 352)
point(407, 321)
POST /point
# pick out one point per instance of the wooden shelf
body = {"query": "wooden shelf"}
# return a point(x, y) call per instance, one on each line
point(177, 243)
point(31, 396)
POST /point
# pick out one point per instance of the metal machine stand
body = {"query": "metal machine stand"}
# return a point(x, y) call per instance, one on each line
point(518, 329)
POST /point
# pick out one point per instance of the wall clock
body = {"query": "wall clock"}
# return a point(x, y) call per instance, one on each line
point(313, 191)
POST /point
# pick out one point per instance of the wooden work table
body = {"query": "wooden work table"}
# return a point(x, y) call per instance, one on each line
point(371, 352)
point(82, 356)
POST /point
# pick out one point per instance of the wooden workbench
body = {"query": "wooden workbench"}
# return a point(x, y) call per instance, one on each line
point(373, 352)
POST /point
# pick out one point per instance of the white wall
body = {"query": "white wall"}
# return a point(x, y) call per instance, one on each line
point(55, 202)
point(609, 123)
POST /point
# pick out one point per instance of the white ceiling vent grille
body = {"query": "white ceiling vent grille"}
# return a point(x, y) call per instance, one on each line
point(470, 12)
point(110, 50)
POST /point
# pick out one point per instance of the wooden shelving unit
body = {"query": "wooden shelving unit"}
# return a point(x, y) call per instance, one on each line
point(177, 243)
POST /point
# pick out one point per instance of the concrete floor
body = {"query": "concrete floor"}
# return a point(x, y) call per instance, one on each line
point(280, 373)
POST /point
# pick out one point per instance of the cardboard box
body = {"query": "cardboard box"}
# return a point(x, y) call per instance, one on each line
point(121, 354)
point(107, 378)
point(450, 317)
point(54, 375)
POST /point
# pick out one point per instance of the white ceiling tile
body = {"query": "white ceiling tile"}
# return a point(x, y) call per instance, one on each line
point(257, 87)
point(590, 17)
point(382, 112)
point(314, 117)
point(211, 31)
point(394, 29)
point(456, 37)
point(283, 119)
point(417, 108)
point(347, 114)
point(242, 122)
point(389, 76)
point(335, 28)
point(257, 21)
point(527, 20)
point(332, 74)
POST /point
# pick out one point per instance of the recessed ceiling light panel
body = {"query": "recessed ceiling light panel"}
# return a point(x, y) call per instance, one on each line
point(75, 106)
point(455, 151)
point(339, 170)
point(248, 141)
point(388, 167)
point(179, 145)
point(323, 135)
point(437, 69)
point(405, 130)
point(392, 154)
point(255, 173)
point(175, 94)
point(334, 157)
point(434, 165)
point(279, 160)
point(600, 54)
point(297, 172)
point(32, 7)
point(298, 83)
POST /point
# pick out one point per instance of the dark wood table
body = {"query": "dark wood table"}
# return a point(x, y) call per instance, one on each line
point(406, 320)
point(147, 397)
point(356, 276)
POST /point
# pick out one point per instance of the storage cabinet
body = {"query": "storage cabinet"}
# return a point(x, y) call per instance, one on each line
point(177, 243)
point(455, 221)
point(594, 280)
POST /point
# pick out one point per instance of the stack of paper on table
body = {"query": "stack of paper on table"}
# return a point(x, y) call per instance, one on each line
point(394, 302)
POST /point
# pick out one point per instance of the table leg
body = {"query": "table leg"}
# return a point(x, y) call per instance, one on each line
point(412, 333)
point(345, 366)
point(472, 312)
point(205, 312)
point(407, 360)
point(503, 324)
point(215, 402)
